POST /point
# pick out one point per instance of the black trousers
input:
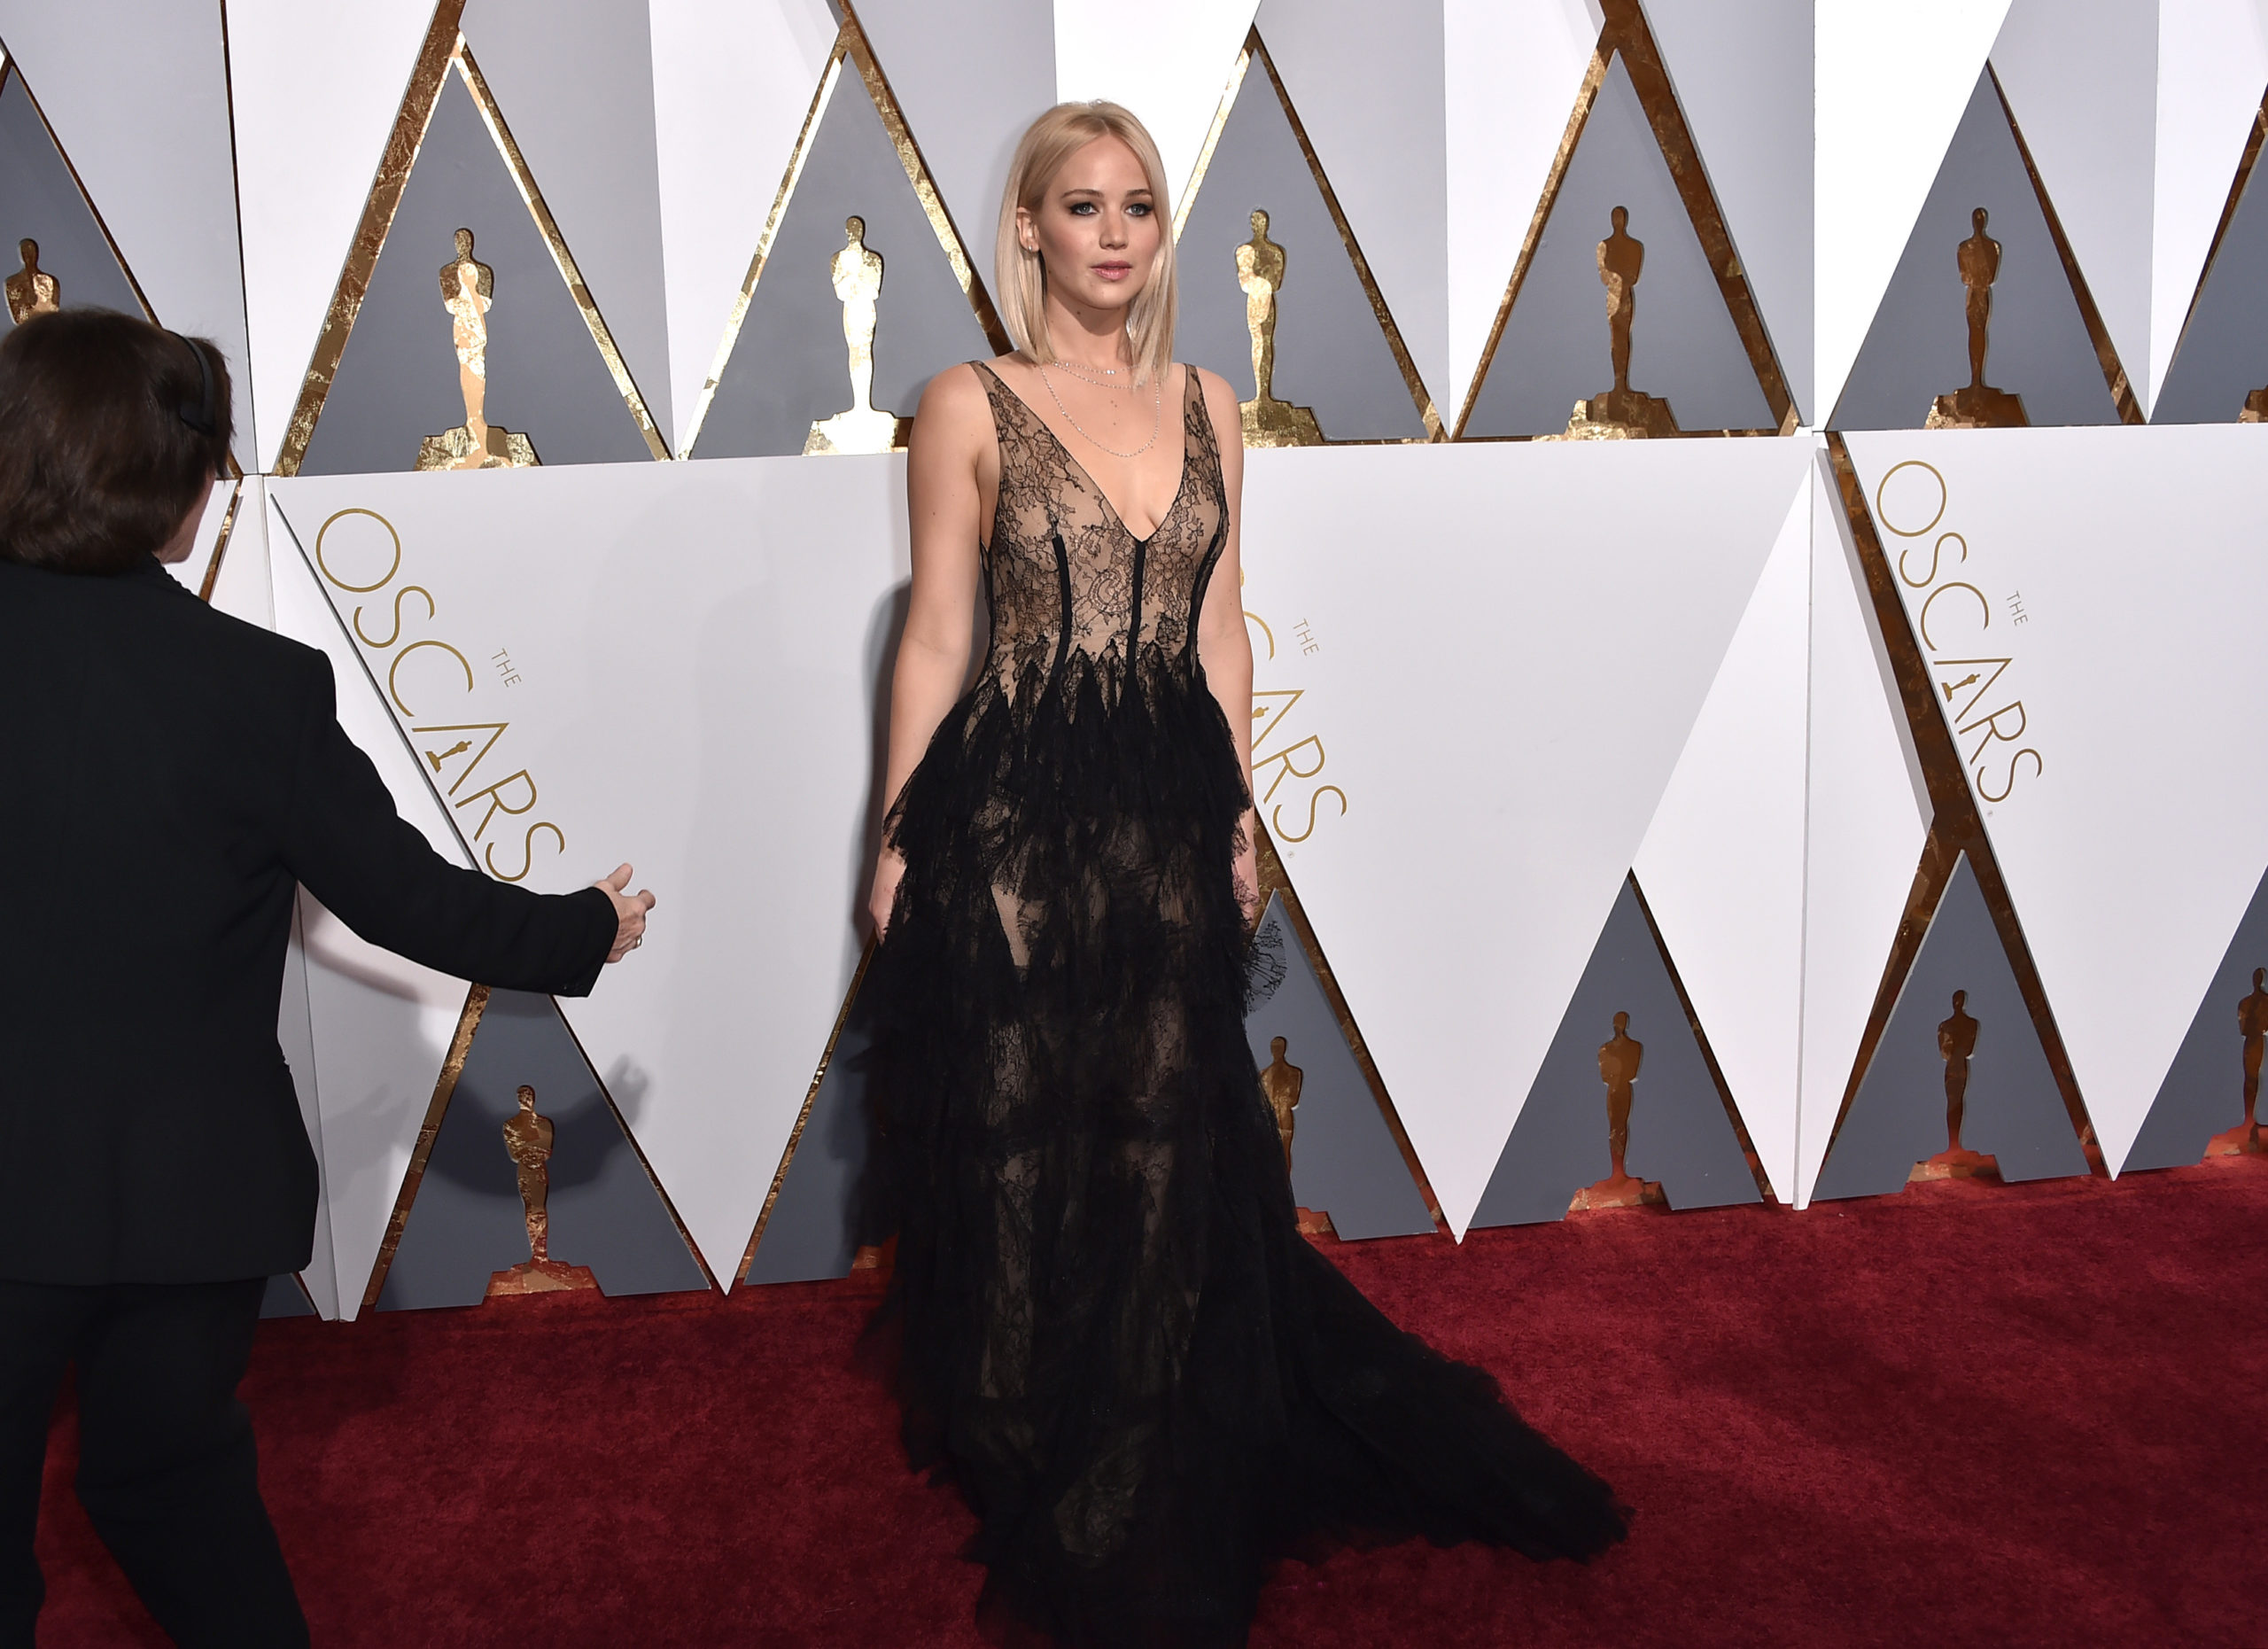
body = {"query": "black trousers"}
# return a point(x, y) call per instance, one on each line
point(166, 1468)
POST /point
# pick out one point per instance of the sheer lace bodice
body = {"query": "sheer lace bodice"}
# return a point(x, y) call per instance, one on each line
point(1064, 575)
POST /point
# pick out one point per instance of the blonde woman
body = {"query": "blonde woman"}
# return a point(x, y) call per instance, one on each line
point(1111, 1334)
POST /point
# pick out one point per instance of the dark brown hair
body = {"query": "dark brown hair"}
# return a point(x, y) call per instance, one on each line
point(101, 452)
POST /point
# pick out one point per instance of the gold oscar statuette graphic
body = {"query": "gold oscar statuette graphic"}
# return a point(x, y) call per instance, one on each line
point(1956, 1045)
point(1622, 413)
point(857, 273)
point(32, 290)
point(1977, 405)
point(1281, 1081)
point(1267, 422)
point(527, 1141)
point(1619, 1058)
point(2252, 1022)
point(467, 290)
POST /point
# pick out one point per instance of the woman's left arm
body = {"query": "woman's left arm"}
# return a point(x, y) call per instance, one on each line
point(1223, 646)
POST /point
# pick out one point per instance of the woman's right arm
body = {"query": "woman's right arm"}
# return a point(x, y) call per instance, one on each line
point(952, 441)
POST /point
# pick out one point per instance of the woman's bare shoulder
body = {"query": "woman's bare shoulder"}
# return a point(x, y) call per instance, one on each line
point(955, 407)
point(1221, 407)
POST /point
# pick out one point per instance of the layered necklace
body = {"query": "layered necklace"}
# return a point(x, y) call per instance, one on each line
point(1101, 378)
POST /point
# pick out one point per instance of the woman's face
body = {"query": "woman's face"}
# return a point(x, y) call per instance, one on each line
point(1096, 228)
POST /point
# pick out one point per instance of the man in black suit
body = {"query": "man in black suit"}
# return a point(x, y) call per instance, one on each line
point(168, 778)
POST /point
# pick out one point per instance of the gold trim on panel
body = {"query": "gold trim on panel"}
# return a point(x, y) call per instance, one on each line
point(1273, 879)
point(2245, 163)
point(1956, 828)
point(445, 1087)
point(925, 187)
point(2106, 352)
point(492, 116)
point(803, 1116)
point(1229, 94)
point(1708, 1054)
point(652, 1178)
point(220, 544)
point(1626, 32)
point(738, 315)
point(8, 66)
point(418, 102)
point(1586, 99)
point(1426, 412)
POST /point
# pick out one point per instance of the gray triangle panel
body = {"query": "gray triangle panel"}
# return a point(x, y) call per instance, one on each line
point(1683, 345)
point(467, 1221)
point(40, 200)
point(2013, 1109)
point(788, 368)
point(1345, 1161)
point(397, 379)
point(2222, 356)
point(1680, 1133)
point(2203, 1091)
point(1332, 354)
point(830, 1205)
point(285, 1296)
point(1917, 347)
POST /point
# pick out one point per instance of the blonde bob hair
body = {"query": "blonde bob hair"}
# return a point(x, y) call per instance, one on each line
point(1051, 140)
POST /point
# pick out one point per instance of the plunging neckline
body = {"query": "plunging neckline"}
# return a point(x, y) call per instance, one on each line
point(1181, 480)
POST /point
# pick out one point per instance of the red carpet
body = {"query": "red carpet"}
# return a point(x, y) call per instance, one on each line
point(1970, 1414)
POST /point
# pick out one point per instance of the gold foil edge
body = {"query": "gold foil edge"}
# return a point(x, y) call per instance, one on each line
point(738, 315)
point(1419, 395)
point(1586, 99)
point(2245, 163)
point(220, 544)
point(925, 187)
point(810, 1098)
point(547, 225)
point(419, 99)
point(1956, 827)
point(2106, 352)
point(1213, 133)
point(476, 1003)
point(1274, 879)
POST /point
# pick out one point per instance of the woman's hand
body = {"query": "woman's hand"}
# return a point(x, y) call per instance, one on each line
point(1247, 870)
point(629, 913)
point(889, 870)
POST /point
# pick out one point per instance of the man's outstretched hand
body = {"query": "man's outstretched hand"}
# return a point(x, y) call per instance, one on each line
point(629, 912)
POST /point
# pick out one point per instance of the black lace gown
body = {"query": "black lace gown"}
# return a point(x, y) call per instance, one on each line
point(1109, 1333)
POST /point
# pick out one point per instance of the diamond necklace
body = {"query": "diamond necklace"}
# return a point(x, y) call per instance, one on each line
point(1157, 418)
point(1087, 374)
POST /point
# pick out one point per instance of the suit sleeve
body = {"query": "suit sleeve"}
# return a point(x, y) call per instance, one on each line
point(378, 874)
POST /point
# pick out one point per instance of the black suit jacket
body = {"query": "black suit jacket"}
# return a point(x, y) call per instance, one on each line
point(168, 774)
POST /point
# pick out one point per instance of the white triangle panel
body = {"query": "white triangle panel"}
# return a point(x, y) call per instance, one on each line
point(1868, 815)
point(1512, 72)
point(2212, 67)
point(111, 76)
point(1170, 68)
point(687, 660)
point(1742, 72)
point(380, 1026)
point(2115, 757)
point(1893, 82)
point(315, 90)
point(2082, 77)
point(1492, 719)
point(1722, 862)
point(1367, 82)
point(733, 81)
